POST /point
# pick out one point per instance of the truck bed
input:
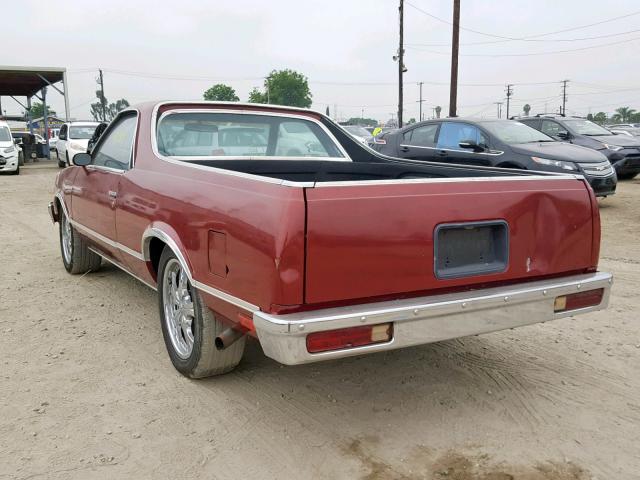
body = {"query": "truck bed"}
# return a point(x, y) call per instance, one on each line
point(376, 168)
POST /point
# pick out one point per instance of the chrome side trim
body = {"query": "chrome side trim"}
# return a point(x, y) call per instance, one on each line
point(102, 168)
point(406, 181)
point(121, 267)
point(152, 232)
point(428, 319)
point(493, 153)
point(108, 241)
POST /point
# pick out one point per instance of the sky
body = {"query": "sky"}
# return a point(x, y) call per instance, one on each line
point(154, 50)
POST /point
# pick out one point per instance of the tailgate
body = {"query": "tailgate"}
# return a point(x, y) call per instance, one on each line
point(366, 240)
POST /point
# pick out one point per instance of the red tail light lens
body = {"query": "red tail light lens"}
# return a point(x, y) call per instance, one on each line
point(575, 301)
point(349, 337)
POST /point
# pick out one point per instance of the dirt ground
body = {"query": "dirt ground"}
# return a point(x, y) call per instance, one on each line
point(87, 390)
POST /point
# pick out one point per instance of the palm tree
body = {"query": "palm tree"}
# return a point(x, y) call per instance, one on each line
point(527, 109)
point(625, 113)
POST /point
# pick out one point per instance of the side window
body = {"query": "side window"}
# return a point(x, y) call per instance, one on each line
point(115, 150)
point(552, 128)
point(451, 134)
point(296, 139)
point(63, 133)
point(422, 136)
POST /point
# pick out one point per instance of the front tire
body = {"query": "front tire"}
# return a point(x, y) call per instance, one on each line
point(627, 176)
point(76, 256)
point(189, 328)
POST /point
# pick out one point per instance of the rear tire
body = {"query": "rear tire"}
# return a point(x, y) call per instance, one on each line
point(189, 328)
point(76, 256)
point(66, 154)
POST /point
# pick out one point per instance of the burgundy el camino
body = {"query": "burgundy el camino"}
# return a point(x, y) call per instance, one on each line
point(273, 222)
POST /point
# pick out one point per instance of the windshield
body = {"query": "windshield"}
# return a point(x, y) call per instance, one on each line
point(5, 136)
point(585, 127)
point(357, 130)
point(511, 132)
point(81, 132)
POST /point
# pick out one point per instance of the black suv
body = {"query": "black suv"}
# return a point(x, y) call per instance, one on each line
point(623, 151)
point(496, 143)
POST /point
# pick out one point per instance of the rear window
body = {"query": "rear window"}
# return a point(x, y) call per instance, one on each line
point(204, 134)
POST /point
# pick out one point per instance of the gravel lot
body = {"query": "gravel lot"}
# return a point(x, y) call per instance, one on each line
point(87, 390)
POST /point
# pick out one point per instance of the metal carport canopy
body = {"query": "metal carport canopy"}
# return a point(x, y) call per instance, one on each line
point(28, 81)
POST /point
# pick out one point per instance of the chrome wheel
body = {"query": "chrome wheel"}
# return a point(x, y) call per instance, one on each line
point(66, 238)
point(179, 314)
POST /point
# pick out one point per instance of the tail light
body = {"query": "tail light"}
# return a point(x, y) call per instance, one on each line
point(575, 301)
point(349, 337)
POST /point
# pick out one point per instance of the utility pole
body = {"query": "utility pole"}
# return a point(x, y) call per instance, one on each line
point(266, 82)
point(453, 93)
point(509, 93)
point(362, 113)
point(499, 108)
point(564, 97)
point(103, 102)
point(421, 100)
point(400, 62)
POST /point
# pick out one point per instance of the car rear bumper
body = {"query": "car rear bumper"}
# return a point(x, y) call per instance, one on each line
point(429, 319)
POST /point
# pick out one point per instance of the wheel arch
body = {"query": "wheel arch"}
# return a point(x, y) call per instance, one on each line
point(154, 239)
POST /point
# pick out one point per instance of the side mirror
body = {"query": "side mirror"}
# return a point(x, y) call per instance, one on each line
point(82, 159)
point(563, 135)
point(17, 141)
point(471, 145)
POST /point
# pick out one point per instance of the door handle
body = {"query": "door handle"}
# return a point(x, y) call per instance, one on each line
point(442, 153)
point(113, 194)
point(404, 149)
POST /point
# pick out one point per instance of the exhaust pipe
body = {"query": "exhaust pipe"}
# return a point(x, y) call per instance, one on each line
point(228, 337)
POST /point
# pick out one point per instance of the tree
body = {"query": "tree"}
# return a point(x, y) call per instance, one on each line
point(327, 112)
point(590, 117)
point(110, 110)
point(527, 109)
point(221, 93)
point(438, 110)
point(600, 118)
point(411, 120)
point(616, 118)
point(625, 113)
point(367, 122)
point(284, 87)
point(37, 110)
point(256, 96)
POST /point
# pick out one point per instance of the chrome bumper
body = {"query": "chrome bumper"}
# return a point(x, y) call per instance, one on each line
point(423, 320)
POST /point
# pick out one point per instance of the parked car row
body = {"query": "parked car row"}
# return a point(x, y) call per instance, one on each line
point(73, 138)
point(9, 151)
point(497, 143)
point(622, 151)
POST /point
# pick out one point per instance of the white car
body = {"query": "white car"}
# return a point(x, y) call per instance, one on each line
point(73, 138)
point(8, 151)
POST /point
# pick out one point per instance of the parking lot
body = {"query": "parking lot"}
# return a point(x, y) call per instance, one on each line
point(88, 391)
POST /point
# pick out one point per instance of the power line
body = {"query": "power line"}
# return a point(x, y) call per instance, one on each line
point(529, 54)
point(527, 36)
point(489, 42)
